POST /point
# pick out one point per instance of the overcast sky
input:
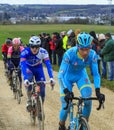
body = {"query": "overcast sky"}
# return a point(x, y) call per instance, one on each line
point(56, 2)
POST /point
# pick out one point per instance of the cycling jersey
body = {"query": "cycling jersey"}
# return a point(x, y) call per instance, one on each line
point(5, 51)
point(72, 70)
point(5, 48)
point(73, 67)
point(14, 55)
point(33, 63)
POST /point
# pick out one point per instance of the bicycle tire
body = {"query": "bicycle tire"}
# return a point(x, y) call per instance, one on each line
point(40, 113)
point(14, 87)
point(83, 124)
point(18, 96)
point(33, 112)
point(18, 93)
point(33, 117)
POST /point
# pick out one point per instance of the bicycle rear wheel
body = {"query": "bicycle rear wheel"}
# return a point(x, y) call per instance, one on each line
point(83, 124)
point(40, 113)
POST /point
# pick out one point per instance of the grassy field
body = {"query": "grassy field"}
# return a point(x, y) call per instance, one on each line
point(25, 31)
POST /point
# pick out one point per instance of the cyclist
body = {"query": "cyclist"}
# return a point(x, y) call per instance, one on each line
point(5, 47)
point(72, 70)
point(14, 60)
point(31, 64)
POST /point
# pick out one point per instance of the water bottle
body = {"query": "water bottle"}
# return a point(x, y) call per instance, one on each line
point(73, 124)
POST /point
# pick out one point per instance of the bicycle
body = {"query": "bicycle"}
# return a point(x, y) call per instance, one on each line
point(16, 85)
point(37, 110)
point(78, 122)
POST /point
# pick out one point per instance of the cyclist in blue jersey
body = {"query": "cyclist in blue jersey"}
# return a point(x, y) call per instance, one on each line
point(31, 64)
point(73, 70)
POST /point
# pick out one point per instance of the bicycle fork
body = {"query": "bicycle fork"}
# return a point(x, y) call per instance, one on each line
point(72, 119)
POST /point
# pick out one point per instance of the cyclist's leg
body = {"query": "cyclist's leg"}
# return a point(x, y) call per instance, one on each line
point(29, 76)
point(39, 76)
point(63, 113)
point(84, 86)
point(10, 72)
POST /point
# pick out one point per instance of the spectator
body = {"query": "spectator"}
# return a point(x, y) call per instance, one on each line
point(48, 48)
point(95, 40)
point(59, 48)
point(77, 31)
point(108, 53)
point(71, 39)
point(94, 47)
point(64, 39)
point(101, 39)
point(54, 46)
point(42, 37)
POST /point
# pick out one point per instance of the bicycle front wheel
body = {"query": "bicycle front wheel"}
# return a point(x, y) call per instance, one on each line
point(18, 96)
point(40, 113)
point(18, 91)
point(83, 124)
point(14, 87)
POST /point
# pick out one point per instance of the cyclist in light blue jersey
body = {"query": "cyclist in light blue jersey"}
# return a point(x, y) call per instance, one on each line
point(31, 64)
point(73, 70)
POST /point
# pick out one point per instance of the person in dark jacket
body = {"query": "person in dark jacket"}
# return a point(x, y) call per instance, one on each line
point(94, 47)
point(108, 53)
point(71, 39)
point(59, 48)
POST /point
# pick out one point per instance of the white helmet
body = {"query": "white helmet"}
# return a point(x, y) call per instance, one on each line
point(35, 41)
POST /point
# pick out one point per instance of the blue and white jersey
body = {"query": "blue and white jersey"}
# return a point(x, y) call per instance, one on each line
point(29, 60)
point(73, 67)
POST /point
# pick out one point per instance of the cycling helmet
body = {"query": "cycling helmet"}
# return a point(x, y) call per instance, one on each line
point(34, 41)
point(84, 40)
point(8, 41)
point(16, 41)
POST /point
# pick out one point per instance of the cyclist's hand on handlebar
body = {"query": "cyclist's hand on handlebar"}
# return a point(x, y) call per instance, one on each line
point(52, 82)
point(68, 95)
point(26, 83)
point(100, 96)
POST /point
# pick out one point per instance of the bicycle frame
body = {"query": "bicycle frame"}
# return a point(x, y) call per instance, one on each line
point(37, 104)
point(75, 120)
point(17, 89)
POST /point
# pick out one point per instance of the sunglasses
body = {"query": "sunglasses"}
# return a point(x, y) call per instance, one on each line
point(34, 47)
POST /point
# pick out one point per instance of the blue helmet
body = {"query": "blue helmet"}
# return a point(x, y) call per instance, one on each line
point(84, 40)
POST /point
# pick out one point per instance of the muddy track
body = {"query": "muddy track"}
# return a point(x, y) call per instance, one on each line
point(13, 116)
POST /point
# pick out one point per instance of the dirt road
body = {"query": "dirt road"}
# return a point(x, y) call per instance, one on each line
point(13, 116)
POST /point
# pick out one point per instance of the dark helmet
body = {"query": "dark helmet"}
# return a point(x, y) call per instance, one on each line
point(8, 41)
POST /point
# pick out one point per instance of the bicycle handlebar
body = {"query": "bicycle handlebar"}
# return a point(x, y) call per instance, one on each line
point(40, 82)
point(81, 99)
point(17, 69)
